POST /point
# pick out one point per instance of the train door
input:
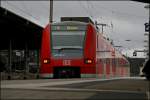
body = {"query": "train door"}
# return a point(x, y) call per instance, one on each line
point(103, 67)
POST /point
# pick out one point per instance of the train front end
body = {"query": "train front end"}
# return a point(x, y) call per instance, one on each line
point(68, 50)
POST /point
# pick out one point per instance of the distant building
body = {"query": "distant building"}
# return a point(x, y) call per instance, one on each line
point(136, 64)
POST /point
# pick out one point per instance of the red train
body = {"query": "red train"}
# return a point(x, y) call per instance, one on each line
point(75, 49)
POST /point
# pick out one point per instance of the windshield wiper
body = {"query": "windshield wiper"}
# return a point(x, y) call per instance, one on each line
point(68, 48)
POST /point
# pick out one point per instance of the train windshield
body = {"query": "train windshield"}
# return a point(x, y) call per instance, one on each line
point(67, 44)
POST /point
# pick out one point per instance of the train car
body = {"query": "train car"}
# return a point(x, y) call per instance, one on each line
point(75, 49)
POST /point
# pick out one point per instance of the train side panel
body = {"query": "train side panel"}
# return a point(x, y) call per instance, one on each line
point(45, 69)
point(110, 63)
point(90, 52)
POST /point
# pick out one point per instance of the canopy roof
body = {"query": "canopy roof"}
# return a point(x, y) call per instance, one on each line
point(19, 30)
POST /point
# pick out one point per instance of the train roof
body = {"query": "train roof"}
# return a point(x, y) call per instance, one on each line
point(80, 19)
point(70, 23)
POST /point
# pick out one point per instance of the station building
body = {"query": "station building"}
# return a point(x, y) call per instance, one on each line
point(20, 41)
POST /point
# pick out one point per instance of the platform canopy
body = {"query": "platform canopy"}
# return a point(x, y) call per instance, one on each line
point(20, 31)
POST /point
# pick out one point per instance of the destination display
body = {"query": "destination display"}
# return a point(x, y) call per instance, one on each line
point(68, 28)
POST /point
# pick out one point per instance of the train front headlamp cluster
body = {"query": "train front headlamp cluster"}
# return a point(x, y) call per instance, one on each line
point(46, 61)
point(88, 61)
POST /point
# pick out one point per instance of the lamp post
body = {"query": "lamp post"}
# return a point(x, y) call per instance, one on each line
point(147, 29)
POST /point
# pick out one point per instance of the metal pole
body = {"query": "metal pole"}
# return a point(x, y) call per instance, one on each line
point(149, 56)
point(38, 64)
point(148, 93)
point(26, 61)
point(9, 60)
point(102, 28)
point(148, 44)
point(148, 7)
point(51, 11)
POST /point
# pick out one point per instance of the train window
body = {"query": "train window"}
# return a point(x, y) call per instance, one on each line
point(67, 43)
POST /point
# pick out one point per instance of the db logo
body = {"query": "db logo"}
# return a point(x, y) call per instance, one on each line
point(66, 62)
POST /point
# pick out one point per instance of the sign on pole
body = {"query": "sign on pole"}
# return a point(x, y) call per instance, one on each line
point(147, 27)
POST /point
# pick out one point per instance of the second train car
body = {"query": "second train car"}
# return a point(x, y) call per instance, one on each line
point(75, 49)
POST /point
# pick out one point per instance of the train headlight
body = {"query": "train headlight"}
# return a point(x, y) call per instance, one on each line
point(88, 61)
point(46, 61)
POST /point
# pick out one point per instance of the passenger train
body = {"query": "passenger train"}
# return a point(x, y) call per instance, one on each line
point(76, 49)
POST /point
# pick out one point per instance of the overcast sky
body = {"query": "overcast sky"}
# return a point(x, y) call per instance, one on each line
point(125, 19)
